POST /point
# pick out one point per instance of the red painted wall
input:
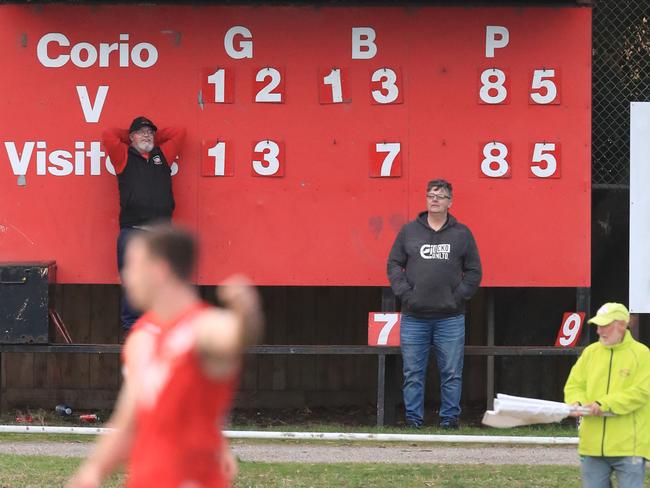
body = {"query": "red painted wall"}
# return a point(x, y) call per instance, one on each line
point(325, 220)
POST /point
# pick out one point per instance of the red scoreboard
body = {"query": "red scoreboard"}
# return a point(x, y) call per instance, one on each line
point(311, 134)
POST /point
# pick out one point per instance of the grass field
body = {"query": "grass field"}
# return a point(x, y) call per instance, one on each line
point(35, 471)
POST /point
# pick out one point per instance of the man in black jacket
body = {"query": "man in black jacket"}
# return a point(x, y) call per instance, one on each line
point(434, 268)
point(142, 158)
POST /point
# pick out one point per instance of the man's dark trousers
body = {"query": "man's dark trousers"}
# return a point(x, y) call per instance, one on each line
point(128, 314)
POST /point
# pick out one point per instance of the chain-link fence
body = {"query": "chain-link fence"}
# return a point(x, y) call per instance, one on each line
point(621, 74)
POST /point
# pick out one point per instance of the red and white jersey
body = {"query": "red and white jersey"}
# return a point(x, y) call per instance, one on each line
point(180, 411)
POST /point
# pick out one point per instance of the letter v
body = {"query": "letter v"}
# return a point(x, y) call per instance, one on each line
point(93, 111)
point(19, 164)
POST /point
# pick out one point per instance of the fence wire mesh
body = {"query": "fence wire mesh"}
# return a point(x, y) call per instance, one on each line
point(621, 74)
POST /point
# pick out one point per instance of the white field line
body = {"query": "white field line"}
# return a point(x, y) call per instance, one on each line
point(322, 436)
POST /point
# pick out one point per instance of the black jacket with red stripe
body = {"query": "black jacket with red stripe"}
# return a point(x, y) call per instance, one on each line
point(144, 180)
point(145, 189)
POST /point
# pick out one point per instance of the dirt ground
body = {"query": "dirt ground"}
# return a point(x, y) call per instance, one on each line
point(345, 453)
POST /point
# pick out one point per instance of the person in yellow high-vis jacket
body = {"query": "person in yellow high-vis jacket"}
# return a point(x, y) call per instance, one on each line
point(612, 376)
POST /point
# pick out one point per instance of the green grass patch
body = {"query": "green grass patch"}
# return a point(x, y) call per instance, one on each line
point(4, 437)
point(39, 471)
point(255, 475)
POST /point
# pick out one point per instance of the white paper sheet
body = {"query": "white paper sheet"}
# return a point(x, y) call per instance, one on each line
point(513, 411)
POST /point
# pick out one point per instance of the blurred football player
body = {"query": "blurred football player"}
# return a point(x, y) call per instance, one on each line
point(181, 366)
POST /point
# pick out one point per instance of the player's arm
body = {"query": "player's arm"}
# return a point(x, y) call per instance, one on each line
point(170, 140)
point(224, 334)
point(113, 448)
point(116, 141)
point(228, 462)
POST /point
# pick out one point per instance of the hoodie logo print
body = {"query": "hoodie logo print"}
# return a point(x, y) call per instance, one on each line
point(435, 251)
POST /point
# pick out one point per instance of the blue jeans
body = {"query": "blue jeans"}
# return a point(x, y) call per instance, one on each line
point(447, 336)
point(597, 471)
point(128, 314)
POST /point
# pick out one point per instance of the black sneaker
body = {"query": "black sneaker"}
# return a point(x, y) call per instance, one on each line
point(411, 425)
point(449, 425)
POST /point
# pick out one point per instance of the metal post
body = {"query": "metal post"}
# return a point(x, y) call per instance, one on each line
point(634, 325)
point(393, 388)
point(2, 385)
point(583, 304)
point(490, 342)
point(644, 330)
point(386, 365)
point(381, 389)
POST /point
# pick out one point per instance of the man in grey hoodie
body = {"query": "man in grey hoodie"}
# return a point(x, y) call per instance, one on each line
point(434, 268)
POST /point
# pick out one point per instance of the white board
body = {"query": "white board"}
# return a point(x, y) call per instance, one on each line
point(640, 207)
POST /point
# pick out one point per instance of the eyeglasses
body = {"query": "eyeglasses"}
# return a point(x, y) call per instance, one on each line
point(145, 132)
point(434, 196)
